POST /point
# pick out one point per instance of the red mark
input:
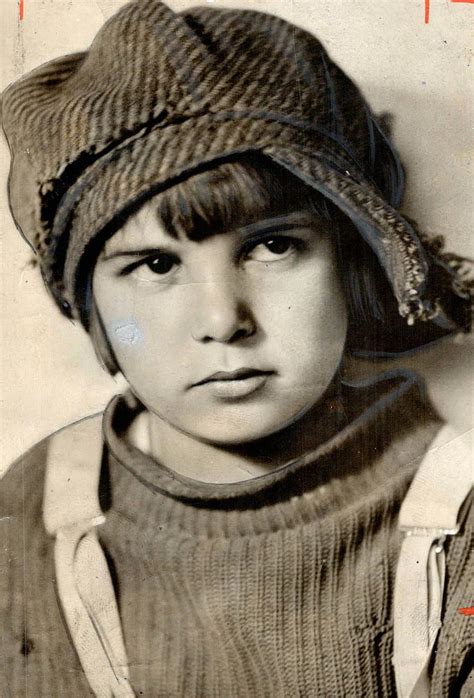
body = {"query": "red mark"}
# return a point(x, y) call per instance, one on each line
point(22, 9)
point(465, 1)
point(427, 11)
point(469, 610)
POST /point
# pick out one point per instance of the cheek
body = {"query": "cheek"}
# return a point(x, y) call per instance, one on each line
point(305, 318)
point(144, 334)
point(138, 339)
point(125, 334)
point(128, 341)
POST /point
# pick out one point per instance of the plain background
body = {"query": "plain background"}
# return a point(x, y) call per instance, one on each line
point(419, 72)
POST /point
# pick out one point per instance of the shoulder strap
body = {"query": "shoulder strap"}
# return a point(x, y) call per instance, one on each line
point(433, 509)
point(71, 513)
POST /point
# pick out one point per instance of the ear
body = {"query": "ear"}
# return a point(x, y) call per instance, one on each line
point(101, 343)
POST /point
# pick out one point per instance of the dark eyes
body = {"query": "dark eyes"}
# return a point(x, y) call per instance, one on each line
point(161, 264)
point(271, 249)
point(279, 246)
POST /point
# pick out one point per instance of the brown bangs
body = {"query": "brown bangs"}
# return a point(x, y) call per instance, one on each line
point(233, 194)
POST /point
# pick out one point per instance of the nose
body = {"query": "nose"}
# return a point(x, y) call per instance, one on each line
point(221, 314)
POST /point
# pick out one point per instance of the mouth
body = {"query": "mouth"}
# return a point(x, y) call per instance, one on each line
point(235, 384)
point(240, 374)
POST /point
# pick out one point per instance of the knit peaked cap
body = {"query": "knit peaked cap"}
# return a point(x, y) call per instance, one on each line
point(160, 95)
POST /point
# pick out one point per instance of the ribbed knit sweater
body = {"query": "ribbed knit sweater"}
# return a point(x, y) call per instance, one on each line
point(280, 586)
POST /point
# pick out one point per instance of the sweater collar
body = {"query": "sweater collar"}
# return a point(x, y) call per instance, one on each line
point(373, 410)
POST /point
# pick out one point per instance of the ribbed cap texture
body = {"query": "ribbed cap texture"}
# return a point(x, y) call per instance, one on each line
point(160, 94)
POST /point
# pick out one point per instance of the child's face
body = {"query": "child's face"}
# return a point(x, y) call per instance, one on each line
point(228, 339)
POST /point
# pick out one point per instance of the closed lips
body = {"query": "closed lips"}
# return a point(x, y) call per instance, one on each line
point(238, 375)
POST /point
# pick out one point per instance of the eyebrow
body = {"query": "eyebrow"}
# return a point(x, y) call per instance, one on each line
point(278, 224)
point(139, 252)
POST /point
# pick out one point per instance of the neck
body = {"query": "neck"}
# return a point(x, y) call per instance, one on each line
point(220, 463)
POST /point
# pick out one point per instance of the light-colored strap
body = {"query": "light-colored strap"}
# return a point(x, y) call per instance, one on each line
point(432, 510)
point(71, 491)
point(71, 512)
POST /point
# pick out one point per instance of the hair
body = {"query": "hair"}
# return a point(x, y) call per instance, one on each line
point(244, 190)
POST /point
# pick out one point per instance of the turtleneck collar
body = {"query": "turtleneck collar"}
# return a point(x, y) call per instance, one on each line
point(373, 410)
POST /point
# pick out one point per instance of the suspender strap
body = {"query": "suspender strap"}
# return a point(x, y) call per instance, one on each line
point(432, 510)
point(71, 512)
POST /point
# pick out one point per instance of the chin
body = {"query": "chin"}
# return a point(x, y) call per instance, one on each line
point(239, 432)
point(232, 440)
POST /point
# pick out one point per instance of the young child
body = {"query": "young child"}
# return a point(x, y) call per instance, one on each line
point(214, 200)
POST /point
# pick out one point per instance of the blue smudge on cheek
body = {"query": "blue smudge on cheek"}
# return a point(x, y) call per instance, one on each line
point(127, 332)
